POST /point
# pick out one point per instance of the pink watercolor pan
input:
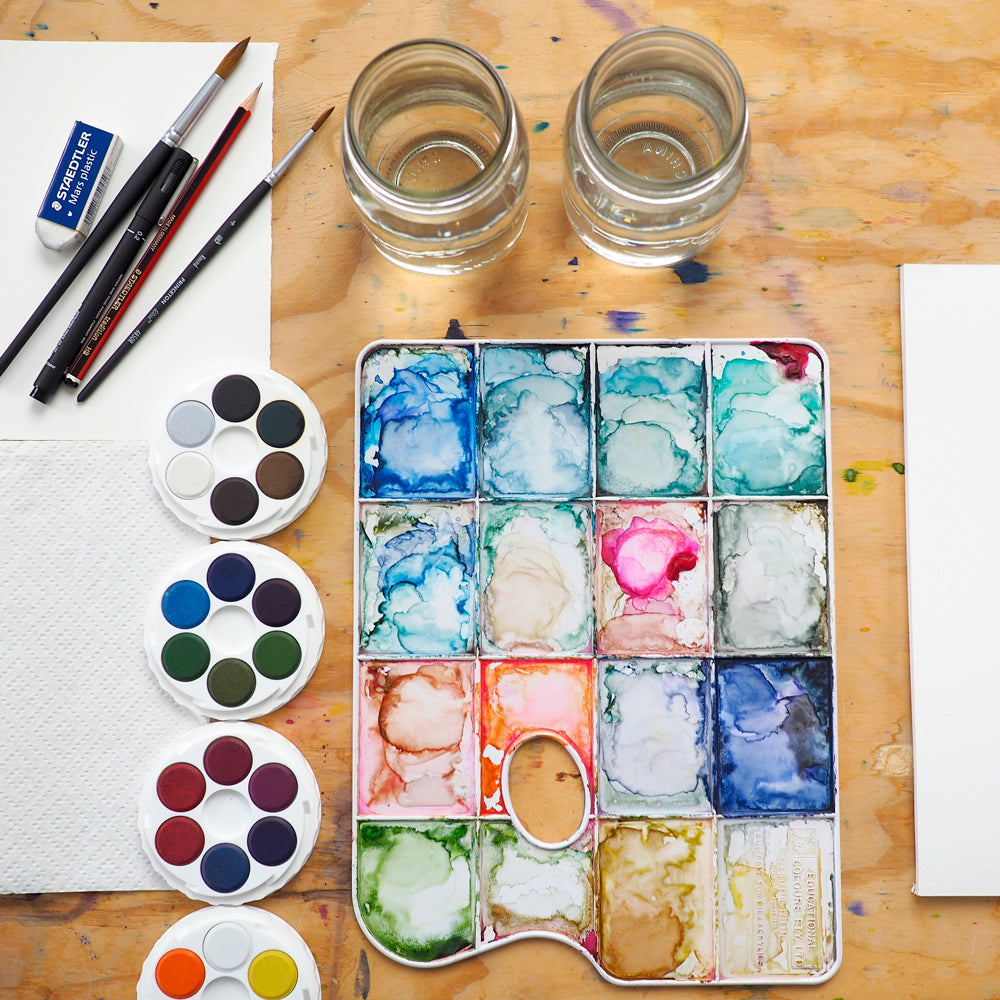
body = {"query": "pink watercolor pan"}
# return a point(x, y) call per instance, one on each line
point(624, 548)
point(229, 812)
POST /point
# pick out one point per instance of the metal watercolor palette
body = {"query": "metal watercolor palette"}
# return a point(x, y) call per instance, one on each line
point(624, 547)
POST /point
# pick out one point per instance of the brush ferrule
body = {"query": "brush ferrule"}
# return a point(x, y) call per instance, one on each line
point(285, 162)
point(174, 135)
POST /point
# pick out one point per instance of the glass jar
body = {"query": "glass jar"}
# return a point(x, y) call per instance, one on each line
point(435, 157)
point(656, 147)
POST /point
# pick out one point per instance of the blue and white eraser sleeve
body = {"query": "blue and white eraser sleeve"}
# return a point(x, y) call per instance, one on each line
point(77, 187)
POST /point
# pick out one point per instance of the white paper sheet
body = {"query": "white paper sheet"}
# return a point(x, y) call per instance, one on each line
point(951, 350)
point(82, 713)
point(136, 90)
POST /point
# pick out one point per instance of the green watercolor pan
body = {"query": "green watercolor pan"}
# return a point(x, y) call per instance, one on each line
point(623, 546)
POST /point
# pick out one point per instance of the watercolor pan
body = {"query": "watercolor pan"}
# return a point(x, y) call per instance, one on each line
point(232, 952)
point(234, 631)
point(229, 812)
point(239, 455)
point(624, 547)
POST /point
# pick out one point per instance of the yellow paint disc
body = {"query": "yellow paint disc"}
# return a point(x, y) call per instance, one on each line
point(272, 975)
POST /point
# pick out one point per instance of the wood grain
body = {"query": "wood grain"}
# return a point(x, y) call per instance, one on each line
point(875, 142)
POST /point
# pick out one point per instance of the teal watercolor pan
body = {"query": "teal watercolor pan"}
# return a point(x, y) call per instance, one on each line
point(625, 546)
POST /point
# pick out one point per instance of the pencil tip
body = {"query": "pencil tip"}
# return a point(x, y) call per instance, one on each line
point(322, 118)
point(251, 98)
point(231, 58)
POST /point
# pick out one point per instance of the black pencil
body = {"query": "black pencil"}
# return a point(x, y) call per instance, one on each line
point(126, 199)
point(102, 331)
point(241, 213)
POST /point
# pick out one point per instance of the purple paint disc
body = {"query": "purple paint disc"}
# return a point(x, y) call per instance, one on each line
point(277, 602)
point(273, 787)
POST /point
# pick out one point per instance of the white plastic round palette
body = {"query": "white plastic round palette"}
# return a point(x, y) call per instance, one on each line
point(239, 454)
point(230, 953)
point(229, 812)
point(234, 630)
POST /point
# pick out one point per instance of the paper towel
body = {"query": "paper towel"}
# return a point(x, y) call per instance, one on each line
point(83, 538)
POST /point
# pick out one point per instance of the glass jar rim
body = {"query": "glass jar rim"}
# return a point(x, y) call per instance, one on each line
point(449, 197)
point(735, 141)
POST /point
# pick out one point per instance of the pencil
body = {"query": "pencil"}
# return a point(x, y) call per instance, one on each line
point(126, 199)
point(100, 334)
point(239, 215)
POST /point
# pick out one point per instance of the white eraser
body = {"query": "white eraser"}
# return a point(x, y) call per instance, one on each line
point(77, 187)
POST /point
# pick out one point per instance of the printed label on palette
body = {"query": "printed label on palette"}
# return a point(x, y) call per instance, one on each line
point(230, 951)
point(622, 549)
point(239, 455)
point(229, 812)
point(234, 631)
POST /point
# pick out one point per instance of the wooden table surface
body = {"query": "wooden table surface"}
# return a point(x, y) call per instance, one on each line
point(875, 142)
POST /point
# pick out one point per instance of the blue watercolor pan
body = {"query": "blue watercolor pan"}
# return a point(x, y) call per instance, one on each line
point(625, 546)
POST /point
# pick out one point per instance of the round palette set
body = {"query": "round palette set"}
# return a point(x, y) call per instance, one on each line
point(230, 812)
point(239, 455)
point(235, 630)
point(230, 953)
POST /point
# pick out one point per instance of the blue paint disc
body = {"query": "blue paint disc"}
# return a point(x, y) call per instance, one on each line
point(231, 577)
point(225, 868)
point(185, 604)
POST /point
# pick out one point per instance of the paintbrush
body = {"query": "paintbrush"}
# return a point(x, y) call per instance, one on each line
point(99, 335)
point(127, 198)
point(201, 260)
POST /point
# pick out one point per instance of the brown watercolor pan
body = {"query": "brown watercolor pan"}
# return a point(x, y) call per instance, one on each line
point(239, 454)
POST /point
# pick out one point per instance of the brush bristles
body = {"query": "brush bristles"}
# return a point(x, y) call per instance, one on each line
point(231, 58)
point(322, 118)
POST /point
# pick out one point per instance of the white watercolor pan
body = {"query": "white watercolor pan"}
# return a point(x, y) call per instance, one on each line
point(229, 812)
point(239, 454)
point(230, 952)
point(234, 631)
point(624, 547)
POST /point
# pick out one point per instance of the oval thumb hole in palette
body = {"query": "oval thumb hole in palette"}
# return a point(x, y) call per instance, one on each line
point(231, 953)
point(235, 630)
point(239, 454)
point(229, 812)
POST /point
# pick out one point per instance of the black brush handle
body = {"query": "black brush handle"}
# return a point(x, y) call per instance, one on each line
point(126, 199)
